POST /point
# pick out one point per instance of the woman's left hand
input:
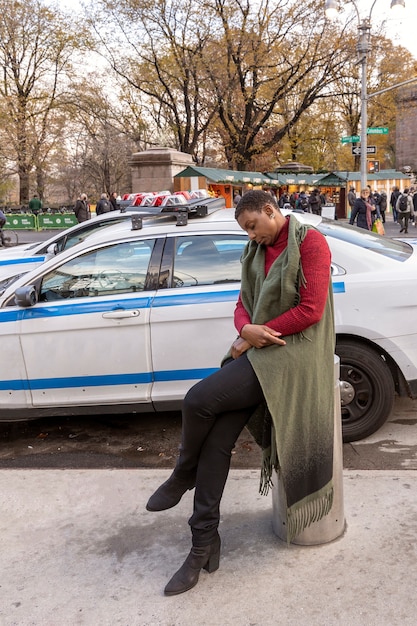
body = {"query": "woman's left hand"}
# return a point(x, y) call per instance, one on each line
point(239, 347)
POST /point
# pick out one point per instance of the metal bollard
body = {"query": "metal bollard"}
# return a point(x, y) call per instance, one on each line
point(333, 524)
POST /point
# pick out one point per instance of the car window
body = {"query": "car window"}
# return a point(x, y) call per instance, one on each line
point(208, 259)
point(71, 239)
point(392, 248)
point(116, 269)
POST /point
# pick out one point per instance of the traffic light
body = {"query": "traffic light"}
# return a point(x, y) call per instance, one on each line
point(373, 167)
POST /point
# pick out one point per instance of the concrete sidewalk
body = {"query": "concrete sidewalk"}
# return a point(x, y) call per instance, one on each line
point(79, 548)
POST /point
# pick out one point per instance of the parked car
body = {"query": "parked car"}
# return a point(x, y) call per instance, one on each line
point(130, 318)
point(20, 259)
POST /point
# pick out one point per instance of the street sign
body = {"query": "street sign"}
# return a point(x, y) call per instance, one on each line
point(351, 139)
point(377, 131)
point(356, 150)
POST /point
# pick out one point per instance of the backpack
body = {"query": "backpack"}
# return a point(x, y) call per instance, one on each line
point(304, 202)
point(403, 204)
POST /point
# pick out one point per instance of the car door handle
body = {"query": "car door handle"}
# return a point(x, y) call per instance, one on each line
point(120, 314)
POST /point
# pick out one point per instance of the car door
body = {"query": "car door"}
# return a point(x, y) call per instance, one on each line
point(192, 319)
point(87, 342)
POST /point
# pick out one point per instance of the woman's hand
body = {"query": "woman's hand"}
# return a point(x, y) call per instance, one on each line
point(260, 336)
point(239, 347)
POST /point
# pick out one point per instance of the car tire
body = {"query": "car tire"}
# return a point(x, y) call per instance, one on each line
point(367, 390)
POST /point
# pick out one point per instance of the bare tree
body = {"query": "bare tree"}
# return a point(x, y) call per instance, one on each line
point(36, 47)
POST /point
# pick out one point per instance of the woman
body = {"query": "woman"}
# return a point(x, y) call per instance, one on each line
point(362, 211)
point(285, 292)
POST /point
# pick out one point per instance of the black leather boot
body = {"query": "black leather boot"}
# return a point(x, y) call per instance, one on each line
point(169, 493)
point(207, 557)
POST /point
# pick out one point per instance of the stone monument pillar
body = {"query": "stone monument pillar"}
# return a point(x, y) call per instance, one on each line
point(154, 169)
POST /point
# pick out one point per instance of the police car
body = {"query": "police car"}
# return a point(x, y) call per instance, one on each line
point(129, 319)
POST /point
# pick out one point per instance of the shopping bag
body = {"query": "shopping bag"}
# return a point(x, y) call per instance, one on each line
point(378, 227)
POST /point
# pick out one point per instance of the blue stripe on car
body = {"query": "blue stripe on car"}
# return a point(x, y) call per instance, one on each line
point(139, 378)
point(22, 261)
point(339, 287)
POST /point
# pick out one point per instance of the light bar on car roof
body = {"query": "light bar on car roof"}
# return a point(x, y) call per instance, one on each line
point(180, 214)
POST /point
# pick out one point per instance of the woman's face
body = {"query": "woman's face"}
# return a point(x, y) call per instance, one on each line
point(365, 194)
point(262, 227)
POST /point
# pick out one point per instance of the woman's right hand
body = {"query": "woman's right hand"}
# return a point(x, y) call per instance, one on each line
point(260, 336)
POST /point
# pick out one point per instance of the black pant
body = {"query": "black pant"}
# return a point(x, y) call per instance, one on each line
point(215, 412)
point(404, 216)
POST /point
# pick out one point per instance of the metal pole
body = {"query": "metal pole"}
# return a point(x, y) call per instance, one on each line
point(363, 48)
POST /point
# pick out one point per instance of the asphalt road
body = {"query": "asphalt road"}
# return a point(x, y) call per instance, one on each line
point(151, 441)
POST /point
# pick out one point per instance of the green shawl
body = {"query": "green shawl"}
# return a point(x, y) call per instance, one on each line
point(295, 426)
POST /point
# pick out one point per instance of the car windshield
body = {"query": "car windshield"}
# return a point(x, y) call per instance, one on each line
point(392, 248)
point(80, 234)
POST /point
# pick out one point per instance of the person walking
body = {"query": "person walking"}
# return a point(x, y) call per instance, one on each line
point(103, 205)
point(81, 208)
point(393, 202)
point(314, 202)
point(362, 211)
point(277, 378)
point(414, 207)
point(405, 209)
point(302, 203)
point(383, 205)
point(351, 198)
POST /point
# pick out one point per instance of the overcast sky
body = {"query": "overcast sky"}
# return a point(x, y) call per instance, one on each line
point(401, 25)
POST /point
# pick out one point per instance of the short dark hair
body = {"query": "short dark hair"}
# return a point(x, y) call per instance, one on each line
point(255, 200)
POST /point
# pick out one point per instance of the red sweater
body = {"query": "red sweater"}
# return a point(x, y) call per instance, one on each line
point(315, 260)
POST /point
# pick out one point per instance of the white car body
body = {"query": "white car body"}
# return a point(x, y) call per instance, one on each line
point(124, 322)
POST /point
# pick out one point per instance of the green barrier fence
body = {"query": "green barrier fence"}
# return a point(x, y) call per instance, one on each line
point(20, 221)
point(43, 221)
point(48, 221)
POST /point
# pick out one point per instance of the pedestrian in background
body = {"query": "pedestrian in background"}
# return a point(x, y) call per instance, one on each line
point(284, 199)
point(236, 198)
point(113, 201)
point(103, 205)
point(351, 198)
point(35, 204)
point(362, 211)
point(405, 209)
point(302, 203)
point(81, 208)
point(393, 203)
point(415, 206)
point(315, 202)
point(376, 196)
point(383, 205)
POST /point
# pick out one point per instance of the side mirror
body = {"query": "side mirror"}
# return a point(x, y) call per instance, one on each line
point(26, 296)
point(52, 250)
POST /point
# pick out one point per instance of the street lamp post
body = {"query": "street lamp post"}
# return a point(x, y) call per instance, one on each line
point(363, 47)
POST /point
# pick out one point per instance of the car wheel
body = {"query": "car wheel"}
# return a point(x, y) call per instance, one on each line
point(366, 389)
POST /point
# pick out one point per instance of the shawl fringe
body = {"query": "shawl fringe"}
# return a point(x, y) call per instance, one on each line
point(309, 510)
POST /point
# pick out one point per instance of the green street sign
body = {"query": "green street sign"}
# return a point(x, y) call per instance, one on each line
point(377, 131)
point(352, 139)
